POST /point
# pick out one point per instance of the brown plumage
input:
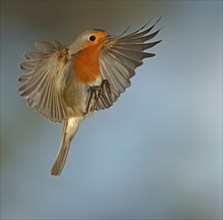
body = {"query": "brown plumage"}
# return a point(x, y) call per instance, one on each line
point(67, 83)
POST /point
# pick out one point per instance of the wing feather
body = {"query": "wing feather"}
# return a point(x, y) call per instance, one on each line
point(119, 58)
point(43, 85)
point(137, 34)
point(137, 46)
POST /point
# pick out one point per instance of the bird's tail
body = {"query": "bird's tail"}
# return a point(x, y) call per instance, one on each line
point(69, 130)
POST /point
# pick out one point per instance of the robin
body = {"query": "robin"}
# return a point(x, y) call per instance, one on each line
point(67, 83)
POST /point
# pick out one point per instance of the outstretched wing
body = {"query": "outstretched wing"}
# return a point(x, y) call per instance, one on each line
point(44, 84)
point(120, 57)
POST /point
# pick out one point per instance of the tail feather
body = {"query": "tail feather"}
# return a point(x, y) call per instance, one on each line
point(69, 130)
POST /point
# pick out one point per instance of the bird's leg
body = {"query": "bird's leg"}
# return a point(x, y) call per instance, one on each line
point(97, 92)
point(106, 93)
point(89, 100)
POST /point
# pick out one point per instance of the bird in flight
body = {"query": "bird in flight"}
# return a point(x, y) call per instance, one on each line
point(68, 83)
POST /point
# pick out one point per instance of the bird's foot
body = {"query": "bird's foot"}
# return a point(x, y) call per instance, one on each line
point(96, 93)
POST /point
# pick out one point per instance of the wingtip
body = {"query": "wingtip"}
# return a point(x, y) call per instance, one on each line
point(150, 21)
point(159, 41)
point(159, 19)
point(37, 44)
point(21, 66)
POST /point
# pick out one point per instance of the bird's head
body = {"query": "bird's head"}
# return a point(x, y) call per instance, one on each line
point(95, 37)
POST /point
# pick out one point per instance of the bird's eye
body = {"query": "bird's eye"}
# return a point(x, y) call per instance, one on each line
point(92, 38)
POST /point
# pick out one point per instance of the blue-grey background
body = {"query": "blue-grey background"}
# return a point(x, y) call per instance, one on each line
point(157, 153)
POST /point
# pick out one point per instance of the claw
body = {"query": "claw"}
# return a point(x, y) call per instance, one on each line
point(97, 92)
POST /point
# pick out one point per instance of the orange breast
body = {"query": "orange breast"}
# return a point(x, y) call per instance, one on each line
point(86, 64)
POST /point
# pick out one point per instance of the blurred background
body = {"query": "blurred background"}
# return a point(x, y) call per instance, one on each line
point(157, 153)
